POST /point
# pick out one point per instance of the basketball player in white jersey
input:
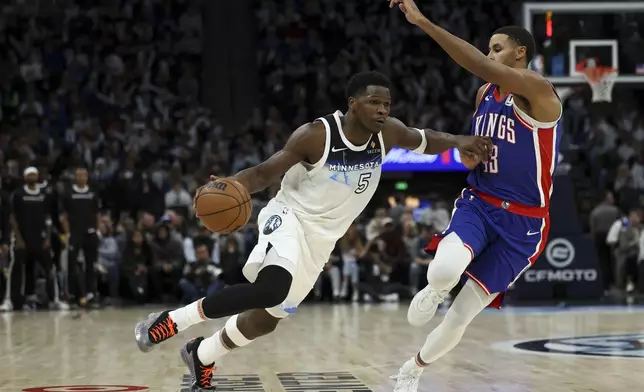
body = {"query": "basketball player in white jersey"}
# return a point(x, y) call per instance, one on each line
point(331, 169)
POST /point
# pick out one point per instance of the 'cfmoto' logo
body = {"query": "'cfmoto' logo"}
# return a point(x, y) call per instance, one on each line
point(560, 253)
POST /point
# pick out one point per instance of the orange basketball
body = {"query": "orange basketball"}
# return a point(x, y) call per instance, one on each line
point(223, 206)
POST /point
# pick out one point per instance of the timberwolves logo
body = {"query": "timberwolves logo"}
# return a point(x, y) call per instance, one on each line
point(626, 346)
point(272, 224)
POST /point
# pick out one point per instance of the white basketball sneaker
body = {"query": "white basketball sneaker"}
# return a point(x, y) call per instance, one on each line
point(7, 306)
point(407, 377)
point(424, 306)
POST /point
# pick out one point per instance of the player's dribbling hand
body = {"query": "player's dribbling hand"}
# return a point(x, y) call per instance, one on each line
point(409, 8)
point(198, 191)
point(475, 147)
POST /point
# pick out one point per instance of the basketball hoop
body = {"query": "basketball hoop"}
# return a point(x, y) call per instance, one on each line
point(601, 79)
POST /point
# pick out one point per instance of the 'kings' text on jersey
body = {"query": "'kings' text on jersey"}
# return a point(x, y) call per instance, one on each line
point(524, 157)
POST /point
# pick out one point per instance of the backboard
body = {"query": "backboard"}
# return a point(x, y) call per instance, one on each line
point(608, 33)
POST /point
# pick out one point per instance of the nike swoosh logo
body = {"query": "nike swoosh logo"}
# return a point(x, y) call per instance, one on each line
point(333, 149)
point(533, 232)
point(487, 97)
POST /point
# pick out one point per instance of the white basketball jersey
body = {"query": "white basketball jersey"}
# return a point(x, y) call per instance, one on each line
point(330, 194)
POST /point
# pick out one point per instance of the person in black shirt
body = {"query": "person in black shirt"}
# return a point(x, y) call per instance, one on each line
point(80, 218)
point(31, 227)
point(48, 186)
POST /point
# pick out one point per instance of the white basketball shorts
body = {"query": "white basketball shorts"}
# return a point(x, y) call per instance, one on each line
point(302, 254)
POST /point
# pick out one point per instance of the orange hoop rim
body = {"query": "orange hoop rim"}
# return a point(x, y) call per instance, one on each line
point(596, 74)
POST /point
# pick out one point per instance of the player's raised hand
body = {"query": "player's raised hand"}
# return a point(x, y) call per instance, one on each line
point(475, 147)
point(409, 8)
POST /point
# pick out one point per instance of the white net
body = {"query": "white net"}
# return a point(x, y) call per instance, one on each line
point(601, 81)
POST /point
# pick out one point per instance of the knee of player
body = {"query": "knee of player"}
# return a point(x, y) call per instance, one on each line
point(274, 283)
point(255, 323)
point(275, 296)
point(442, 273)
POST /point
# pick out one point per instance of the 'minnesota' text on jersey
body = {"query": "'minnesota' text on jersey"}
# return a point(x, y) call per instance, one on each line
point(524, 157)
point(328, 196)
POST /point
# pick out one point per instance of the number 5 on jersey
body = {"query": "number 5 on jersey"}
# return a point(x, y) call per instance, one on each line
point(492, 165)
point(363, 182)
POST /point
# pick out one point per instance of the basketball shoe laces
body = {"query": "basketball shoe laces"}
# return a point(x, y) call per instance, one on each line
point(206, 376)
point(163, 330)
point(434, 298)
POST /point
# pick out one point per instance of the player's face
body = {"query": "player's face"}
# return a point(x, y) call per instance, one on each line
point(372, 108)
point(503, 50)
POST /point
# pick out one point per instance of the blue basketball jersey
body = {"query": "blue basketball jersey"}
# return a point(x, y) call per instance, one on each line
point(524, 156)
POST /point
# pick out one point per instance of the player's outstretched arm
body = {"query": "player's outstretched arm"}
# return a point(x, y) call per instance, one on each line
point(523, 82)
point(397, 134)
point(296, 150)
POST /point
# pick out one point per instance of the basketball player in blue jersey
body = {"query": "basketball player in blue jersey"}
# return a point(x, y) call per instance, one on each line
point(500, 222)
point(331, 169)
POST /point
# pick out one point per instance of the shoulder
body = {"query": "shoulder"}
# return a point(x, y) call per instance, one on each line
point(537, 85)
point(393, 126)
point(305, 134)
point(480, 92)
point(311, 129)
point(391, 131)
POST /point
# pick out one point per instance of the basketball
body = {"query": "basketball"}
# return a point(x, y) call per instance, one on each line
point(223, 206)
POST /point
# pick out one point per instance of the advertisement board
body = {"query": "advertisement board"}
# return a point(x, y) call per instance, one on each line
point(400, 160)
point(567, 268)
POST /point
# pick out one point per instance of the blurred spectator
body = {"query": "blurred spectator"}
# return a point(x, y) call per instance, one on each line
point(376, 224)
point(201, 277)
point(80, 217)
point(420, 259)
point(351, 248)
point(394, 251)
point(601, 219)
point(376, 284)
point(136, 262)
point(179, 200)
point(109, 259)
point(167, 253)
point(202, 237)
point(627, 252)
point(231, 262)
point(31, 220)
point(331, 273)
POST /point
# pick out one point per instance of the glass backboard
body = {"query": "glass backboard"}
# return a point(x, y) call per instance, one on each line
point(609, 34)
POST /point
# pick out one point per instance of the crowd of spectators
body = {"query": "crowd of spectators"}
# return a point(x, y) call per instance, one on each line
point(114, 86)
point(308, 49)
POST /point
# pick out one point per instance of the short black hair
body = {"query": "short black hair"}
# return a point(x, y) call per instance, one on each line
point(521, 37)
point(359, 82)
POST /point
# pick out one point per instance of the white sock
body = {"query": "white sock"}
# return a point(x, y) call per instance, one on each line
point(188, 316)
point(213, 348)
point(412, 366)
point(468, 303)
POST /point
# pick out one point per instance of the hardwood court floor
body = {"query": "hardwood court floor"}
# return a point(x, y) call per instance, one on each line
point(330, 348)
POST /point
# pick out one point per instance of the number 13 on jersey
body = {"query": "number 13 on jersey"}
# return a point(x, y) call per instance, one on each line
point(492, 165)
